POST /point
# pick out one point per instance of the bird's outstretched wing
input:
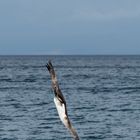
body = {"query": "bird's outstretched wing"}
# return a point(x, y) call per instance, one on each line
point(59, 96)
point(55, 84)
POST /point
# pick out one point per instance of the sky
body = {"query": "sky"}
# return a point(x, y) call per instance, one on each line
point(67, 27)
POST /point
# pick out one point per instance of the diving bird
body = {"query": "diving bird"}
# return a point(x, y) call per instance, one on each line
point(60, 102)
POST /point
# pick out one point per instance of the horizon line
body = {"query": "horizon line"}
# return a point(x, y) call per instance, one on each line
point(67, 54)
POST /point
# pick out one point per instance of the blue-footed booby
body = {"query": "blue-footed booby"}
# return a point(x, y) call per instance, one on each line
point(60, 102)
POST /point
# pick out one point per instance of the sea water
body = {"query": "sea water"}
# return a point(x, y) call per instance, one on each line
point(102, 95)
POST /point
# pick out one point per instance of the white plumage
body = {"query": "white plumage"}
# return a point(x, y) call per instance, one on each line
point(61, 111)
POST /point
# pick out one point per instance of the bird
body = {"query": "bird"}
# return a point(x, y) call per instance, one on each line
point(60, 102)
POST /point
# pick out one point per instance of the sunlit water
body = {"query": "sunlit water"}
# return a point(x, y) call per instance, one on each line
point(102, 94)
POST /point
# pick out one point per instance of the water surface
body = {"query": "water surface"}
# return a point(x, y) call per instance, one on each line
point(102, 94)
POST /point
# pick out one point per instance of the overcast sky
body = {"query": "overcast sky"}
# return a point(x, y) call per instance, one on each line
point(69, 27)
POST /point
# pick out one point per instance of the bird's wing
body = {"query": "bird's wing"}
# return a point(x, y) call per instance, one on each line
point(61, 98)
point(55, 85)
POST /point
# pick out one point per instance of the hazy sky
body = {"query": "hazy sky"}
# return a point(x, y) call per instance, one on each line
point(69, 27)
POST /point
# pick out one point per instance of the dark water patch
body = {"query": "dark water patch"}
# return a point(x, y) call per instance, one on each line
point(36, 132)
point(102, 109)
point(126, 90)
point(18, 116)
point(85, 88)
point(5, 80)
point(52, 118)
point(13, 130)
point(129, 88)
point(123, 105)
point(92, 137)
point(72, 67)
point(124, 110)
point(79, 76)
point(31, 66)
point(9, 139)
point(16, 105)
point(23, 79)
point(37, 139)
point(21, 67)
point(67, 76)
point(31, 80)
point(6, 118)
point(40, 104)
point(119, 136)
point(21, 87)
point(96, 90)
point(45, 127)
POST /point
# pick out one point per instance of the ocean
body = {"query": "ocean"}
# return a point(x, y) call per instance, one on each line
point(102, 95)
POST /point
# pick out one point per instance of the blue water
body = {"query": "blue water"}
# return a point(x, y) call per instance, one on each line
point(102, 94)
